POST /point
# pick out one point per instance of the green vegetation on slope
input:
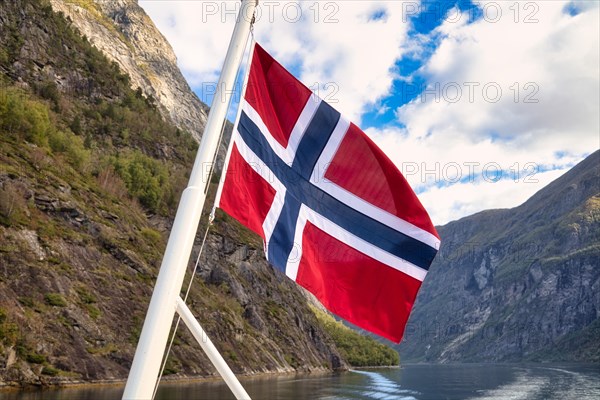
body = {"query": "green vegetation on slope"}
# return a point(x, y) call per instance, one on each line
point(114, 144)
point(358, 350)
point(84, 159)
point(89, 179)
point(91, 118)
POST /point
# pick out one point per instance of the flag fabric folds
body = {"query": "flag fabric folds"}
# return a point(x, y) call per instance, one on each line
point(335, 213)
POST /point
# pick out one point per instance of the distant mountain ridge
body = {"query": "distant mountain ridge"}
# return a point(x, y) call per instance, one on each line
point(517, 284)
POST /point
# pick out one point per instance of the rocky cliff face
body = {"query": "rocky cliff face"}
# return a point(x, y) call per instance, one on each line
point(519, 284)
point(90, 175)
point(126, 35)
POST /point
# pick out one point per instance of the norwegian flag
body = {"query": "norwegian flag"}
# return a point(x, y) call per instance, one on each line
point(335, 213)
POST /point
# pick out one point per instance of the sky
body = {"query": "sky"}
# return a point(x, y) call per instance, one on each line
point(479, 103)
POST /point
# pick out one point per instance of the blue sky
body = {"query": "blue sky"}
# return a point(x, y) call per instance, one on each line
point(480, 104)
point(427, 16)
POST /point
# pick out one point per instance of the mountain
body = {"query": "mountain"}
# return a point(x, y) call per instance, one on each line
point(91, 171)
point(516, 285)
point(123, 32)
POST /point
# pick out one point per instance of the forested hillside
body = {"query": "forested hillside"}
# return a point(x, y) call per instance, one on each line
point(90, 177)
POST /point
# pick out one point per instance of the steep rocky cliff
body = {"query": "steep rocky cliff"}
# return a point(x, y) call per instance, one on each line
point(518, 284)
point(90, 175)
point(125, 34)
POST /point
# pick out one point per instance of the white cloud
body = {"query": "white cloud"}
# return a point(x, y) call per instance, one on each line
point(554, 61)
point(199, 38)
point(547, 73)
point(356, 54)
point(454, 177)
point(449, 203)
point(334, 45)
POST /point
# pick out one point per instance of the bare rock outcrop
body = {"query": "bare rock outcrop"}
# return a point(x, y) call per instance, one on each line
point(126, 35)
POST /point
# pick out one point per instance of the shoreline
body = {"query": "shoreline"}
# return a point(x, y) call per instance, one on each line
point(175, 380)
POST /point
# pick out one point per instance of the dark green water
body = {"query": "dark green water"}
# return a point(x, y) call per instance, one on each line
point(412, 382)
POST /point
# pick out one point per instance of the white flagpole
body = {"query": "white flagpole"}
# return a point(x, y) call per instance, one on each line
point(153, 339)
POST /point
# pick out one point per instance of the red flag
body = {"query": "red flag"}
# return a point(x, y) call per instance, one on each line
point(336, 214)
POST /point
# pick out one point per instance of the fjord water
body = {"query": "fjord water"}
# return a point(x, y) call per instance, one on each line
point(411, 382)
